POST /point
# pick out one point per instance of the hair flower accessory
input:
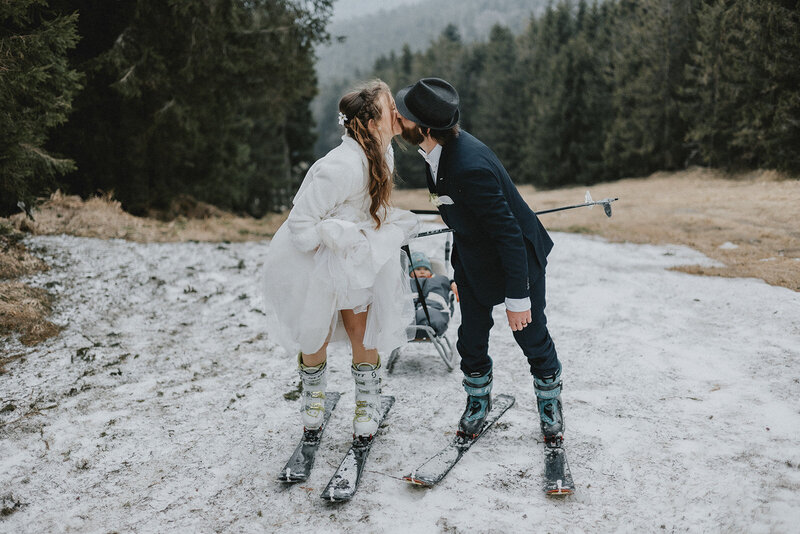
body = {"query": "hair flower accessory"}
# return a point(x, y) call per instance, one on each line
point(342, 118)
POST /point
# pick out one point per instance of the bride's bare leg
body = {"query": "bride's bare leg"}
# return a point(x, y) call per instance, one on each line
point(316, 358)
point(355, 324)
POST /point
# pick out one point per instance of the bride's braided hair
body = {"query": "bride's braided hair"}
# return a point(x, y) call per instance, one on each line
point(359, 106)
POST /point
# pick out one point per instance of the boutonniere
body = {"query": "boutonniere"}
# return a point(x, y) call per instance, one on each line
point(437, 200)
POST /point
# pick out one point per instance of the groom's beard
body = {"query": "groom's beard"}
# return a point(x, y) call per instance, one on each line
point(413, 134)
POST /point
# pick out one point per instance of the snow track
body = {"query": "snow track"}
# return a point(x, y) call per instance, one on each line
point(164, 406)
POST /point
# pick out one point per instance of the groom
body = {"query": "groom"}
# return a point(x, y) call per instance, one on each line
point(499, 254)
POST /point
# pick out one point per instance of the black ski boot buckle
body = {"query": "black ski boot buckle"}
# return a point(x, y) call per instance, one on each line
point(554, 441)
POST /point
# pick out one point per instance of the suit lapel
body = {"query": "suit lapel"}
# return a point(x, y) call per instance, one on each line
point(429, 177)
point(442, 175)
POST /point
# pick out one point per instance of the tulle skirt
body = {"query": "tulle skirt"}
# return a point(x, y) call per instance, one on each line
point(357, 267)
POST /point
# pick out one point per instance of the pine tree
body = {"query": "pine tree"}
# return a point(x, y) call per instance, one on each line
point(202, 97)
point(652, 43)
point(781, 28)
point(406, 66)
point(36, 91)
point(545, 147)
point(496, 117)
point(443, 58)
point(594, 44)
point(742, 95)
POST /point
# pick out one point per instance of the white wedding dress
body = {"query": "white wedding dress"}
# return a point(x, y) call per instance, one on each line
point(329, 256)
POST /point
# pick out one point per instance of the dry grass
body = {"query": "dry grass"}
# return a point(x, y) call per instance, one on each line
point(15, 260)
point(758, 212)
point(23, 309)
point(103, 217)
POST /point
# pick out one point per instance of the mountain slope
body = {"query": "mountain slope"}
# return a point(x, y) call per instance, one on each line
point(358, 42)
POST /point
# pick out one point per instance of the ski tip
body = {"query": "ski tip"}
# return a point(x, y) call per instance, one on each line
point(417, 482)
point(333, 499)
point(560, 492)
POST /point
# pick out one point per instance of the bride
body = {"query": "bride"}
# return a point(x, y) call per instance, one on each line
point(333, 270)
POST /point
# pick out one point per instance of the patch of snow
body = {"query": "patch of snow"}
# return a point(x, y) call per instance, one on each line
point(727, 245)
point(162, 407)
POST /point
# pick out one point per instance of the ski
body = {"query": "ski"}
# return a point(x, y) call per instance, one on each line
point(299, 465)
point(345, 480)
point(435, 468)
point(557, 476)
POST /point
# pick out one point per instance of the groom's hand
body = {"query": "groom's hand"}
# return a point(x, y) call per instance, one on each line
point(518, 320)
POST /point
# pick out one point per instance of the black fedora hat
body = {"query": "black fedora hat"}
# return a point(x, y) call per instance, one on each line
point(431, 103)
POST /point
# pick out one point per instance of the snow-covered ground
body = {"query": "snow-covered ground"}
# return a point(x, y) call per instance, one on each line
point(165, 406)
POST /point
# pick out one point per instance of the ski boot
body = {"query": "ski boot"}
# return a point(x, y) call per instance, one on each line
point(479, 403)
point(367, 379)
point(314, 380)
point(548, 399)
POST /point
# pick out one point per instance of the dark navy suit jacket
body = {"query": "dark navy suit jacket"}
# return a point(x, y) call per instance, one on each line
point(499, 245)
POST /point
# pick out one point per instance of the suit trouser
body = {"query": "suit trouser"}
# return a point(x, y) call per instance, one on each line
point(534, 339)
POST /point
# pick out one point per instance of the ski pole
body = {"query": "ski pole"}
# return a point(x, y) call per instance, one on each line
point(606, 203)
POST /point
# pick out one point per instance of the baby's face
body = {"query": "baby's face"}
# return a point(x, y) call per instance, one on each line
point(422, 272)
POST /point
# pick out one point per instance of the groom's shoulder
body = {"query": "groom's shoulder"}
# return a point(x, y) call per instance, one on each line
point(467, 149)
point(467, 141)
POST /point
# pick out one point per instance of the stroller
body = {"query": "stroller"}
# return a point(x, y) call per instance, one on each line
point(425, 331)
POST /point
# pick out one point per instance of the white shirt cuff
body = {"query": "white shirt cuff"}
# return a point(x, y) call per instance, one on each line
point(518, 305)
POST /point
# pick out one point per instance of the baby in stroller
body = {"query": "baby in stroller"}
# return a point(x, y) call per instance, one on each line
point(437, 291)
point(433, 299)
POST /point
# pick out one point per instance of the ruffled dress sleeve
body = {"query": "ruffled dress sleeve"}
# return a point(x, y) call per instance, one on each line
point(328, 184)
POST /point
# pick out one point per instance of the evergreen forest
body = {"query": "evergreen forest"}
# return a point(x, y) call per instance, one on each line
point(151, 99)
point(596, 92)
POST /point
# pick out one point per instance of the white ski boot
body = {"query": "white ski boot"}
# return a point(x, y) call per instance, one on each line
point(368, 399)
point(315, 380)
